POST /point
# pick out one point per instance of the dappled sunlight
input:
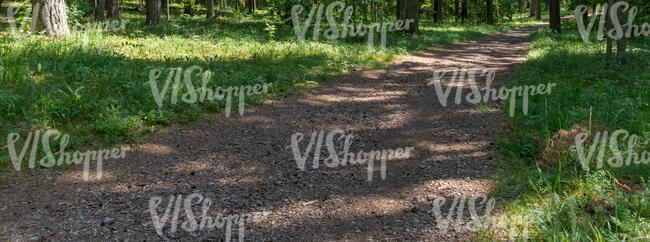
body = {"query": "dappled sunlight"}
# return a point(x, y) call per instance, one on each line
point(76, 176)
point(192, 167)
point(156, 149)
point(277, 153)
point(376, 96)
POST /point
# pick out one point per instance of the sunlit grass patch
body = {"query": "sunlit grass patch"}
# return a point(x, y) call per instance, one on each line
point(93, 85)
point(578, 204)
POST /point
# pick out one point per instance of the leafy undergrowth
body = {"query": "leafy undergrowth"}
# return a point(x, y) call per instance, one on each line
point(97, 92)
point(568, 202)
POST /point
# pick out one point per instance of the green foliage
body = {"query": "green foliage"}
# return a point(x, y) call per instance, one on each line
point(271, 29)
point(76, 10)
point(575, 204)
point(98, 93)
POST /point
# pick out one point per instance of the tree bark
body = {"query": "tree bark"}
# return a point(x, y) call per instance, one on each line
point(490, 12)
point(210, 11)
point(437, 12)
point(224, 5)
point(92, 4)
point(464, 11)
point(398, 8)
point(112, 8)
point(621, 44)
point(609, 25)
point(188, 8)
point(532, 8)
point(53, 17)
point(99, 10)
point(153, 12)
point(554, 15)
point(457, 9)
point(539, 9)
point(164, 5)
point(252, 6)
point(413, 13)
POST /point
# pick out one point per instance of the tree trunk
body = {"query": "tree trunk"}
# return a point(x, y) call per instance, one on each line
point(398, 8)
point(53, 17)
point(165, 8)
point(464, 11)
point(539, 9)
point(457, 9)
point(413, 13)
point(112, 8)
point(188, 8)
point(490, 12)
point(99, 10)
point(609, 25)
point(621, 44)
point(509, 13)
point(153, 12)
point(437, 16)
point(210, 11)
point(224, 5)
point(399, 11)
point(554, 15)
point(252, 6)
point(532, 8)
point(92, 4)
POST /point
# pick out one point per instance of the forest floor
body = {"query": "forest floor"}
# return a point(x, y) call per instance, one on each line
point(245, 163)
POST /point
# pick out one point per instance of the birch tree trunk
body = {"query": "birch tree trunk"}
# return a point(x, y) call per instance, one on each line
point(53, 17)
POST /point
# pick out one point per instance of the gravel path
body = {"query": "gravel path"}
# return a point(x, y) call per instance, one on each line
point(243, 164)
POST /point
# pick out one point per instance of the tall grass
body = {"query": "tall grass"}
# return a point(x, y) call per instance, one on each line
point(97, 93)
point(574, 204)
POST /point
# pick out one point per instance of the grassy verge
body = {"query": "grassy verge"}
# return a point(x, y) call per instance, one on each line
point(98, 94)
point(568, 202)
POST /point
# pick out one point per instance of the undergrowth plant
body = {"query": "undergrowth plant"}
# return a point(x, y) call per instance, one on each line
point(574, 204)
point(98, 94)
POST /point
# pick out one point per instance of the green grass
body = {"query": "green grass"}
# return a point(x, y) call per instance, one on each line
point(99, 96)
point(574, 204)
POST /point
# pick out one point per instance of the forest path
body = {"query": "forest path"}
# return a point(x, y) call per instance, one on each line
point(242, 163)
